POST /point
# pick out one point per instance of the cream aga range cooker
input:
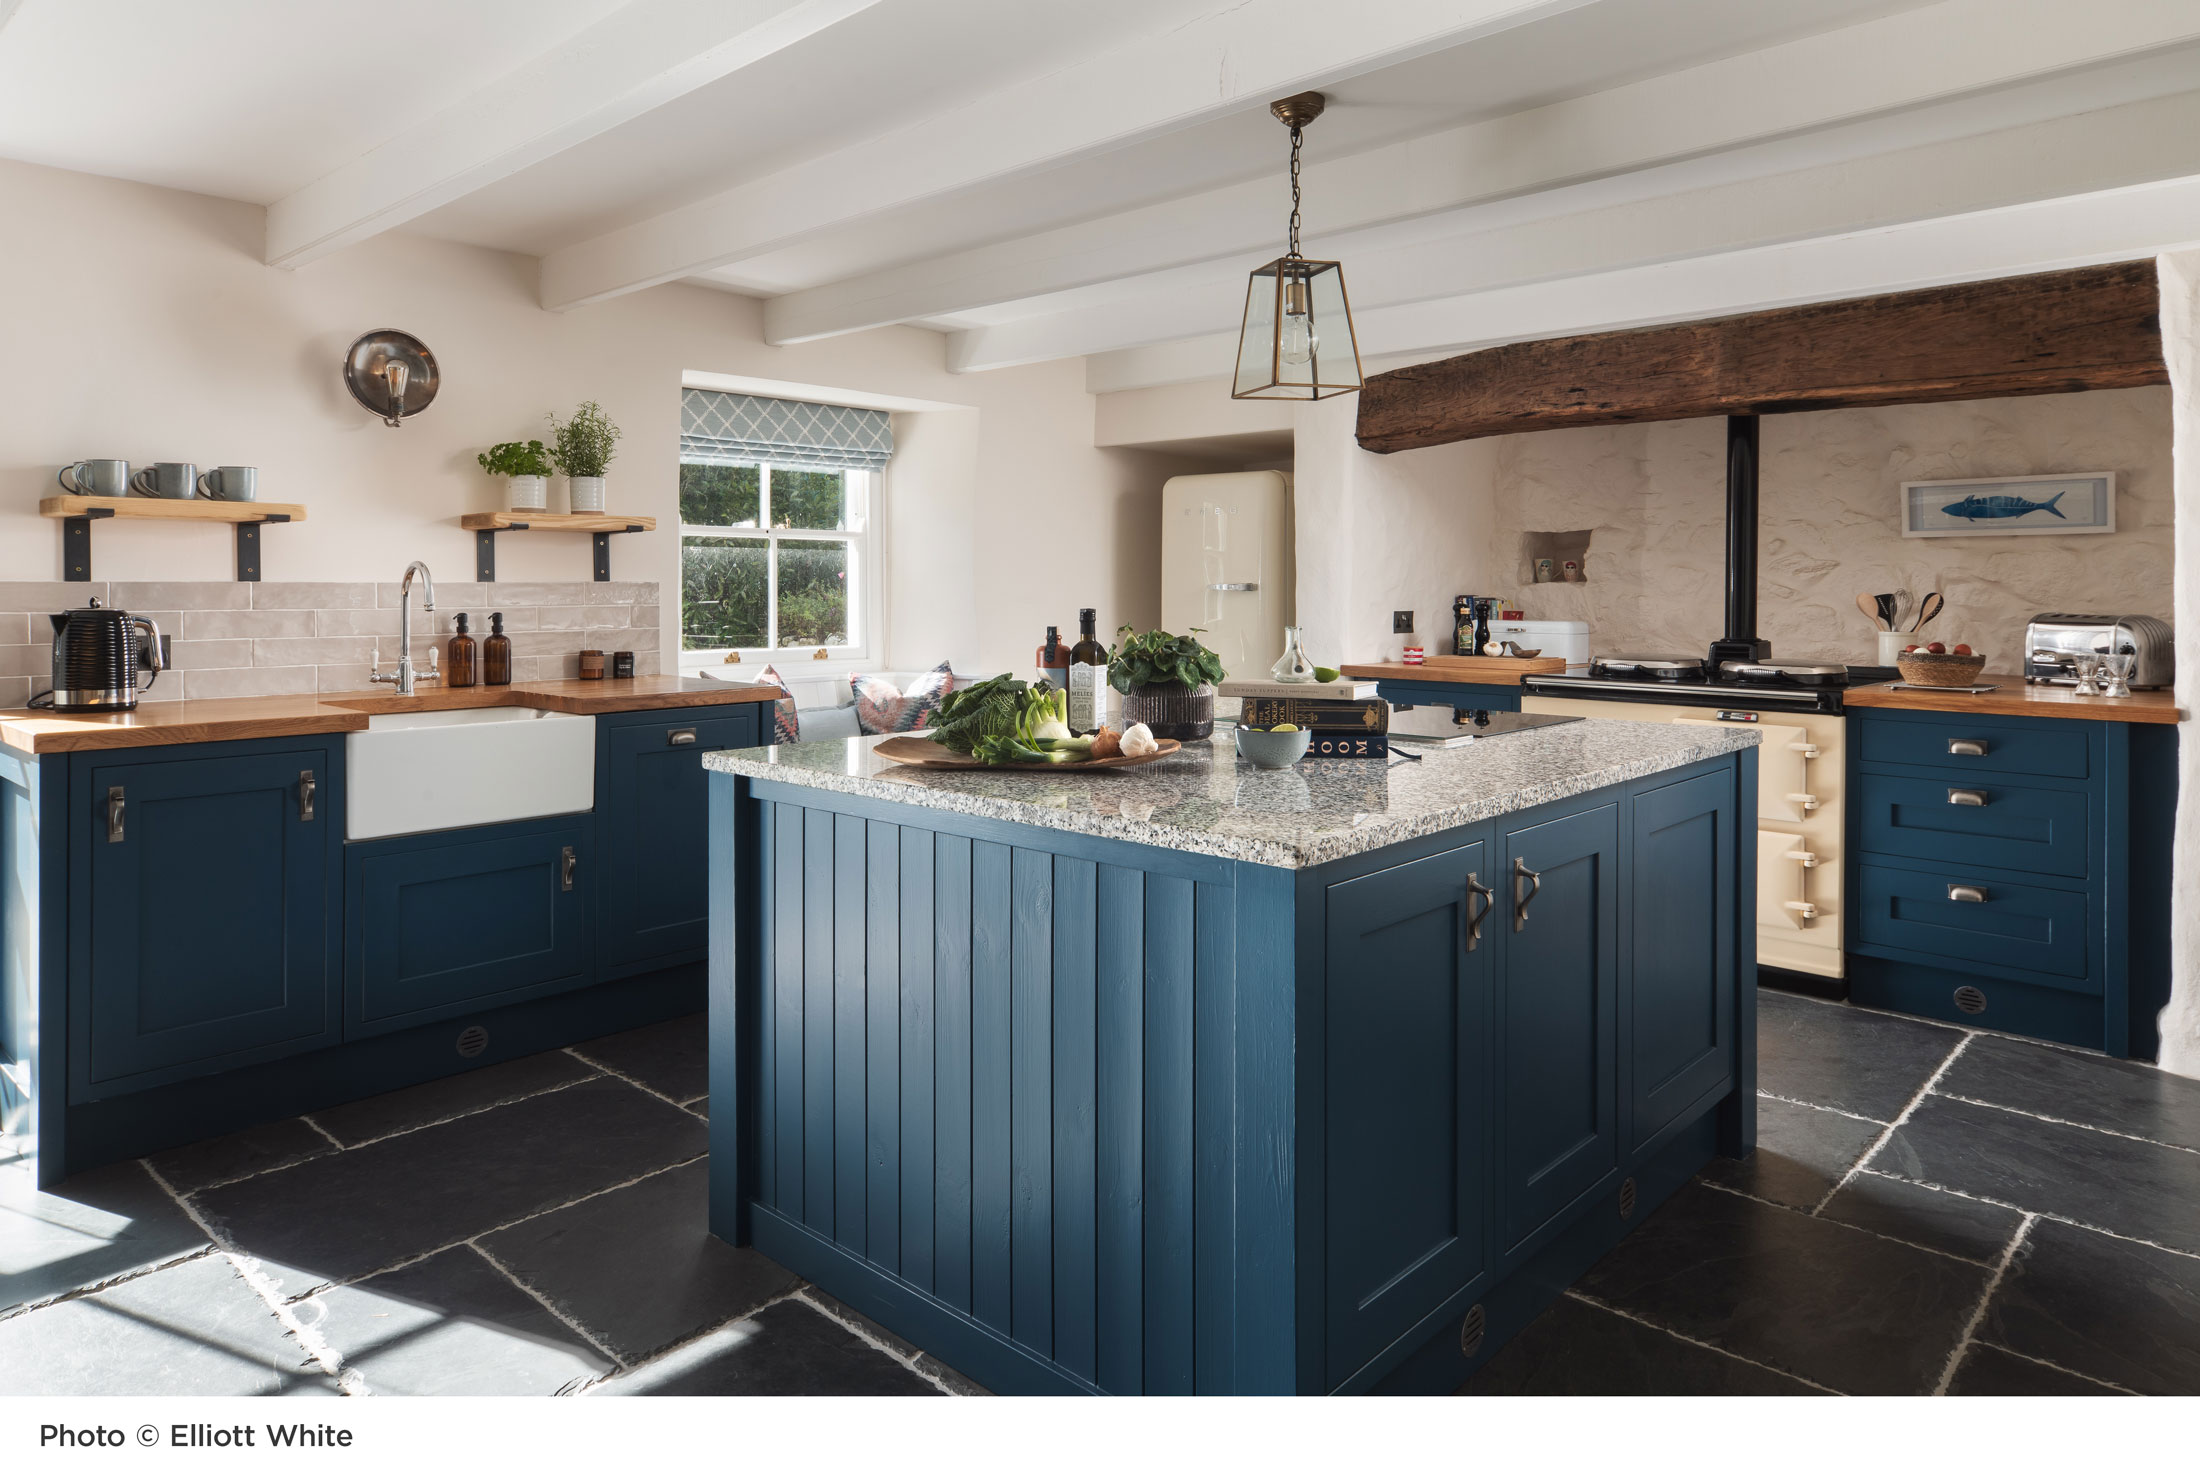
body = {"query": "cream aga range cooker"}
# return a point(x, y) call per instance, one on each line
point(1799, 774)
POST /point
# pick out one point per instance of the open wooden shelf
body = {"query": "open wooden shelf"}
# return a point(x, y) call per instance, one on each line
point(492, 523)
point(77, 512)
point(213, 511)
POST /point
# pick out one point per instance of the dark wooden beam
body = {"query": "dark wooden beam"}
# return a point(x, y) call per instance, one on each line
point(2068, 331)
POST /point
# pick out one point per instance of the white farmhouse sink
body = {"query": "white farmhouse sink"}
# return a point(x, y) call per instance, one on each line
point(466, 766)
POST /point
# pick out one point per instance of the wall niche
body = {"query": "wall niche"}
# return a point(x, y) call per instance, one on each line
point(1546, 554)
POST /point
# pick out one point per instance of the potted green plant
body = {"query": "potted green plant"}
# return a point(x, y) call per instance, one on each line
point(1167, 682)
point(526, 467)
point(583, 446)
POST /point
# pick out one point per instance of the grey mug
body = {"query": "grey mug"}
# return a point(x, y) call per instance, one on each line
point(166, 481)
point(109, 477)
point(230, 481)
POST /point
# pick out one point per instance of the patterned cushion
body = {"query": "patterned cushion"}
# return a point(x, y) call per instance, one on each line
point(786, 722)
point(882, 708)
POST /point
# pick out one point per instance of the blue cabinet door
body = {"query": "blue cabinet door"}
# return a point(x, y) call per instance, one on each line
point(1407, 1070)
point(454, 921)
point(207, 921)
point(1557, 996)
point(652, 826)
point(1681, 1008)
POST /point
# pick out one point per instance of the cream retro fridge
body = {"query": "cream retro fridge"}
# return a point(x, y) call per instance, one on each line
point(1226, 564)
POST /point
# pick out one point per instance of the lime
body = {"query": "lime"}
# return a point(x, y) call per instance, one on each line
point(1285, 728)
point(1325, 674)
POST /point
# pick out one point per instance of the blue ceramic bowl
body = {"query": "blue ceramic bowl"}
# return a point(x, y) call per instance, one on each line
point(1273, 750)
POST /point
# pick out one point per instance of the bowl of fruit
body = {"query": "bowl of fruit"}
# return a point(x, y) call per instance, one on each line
point(1279, 747)
point(1937, 665)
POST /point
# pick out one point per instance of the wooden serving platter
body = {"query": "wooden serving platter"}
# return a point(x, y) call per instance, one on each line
point(925, 754)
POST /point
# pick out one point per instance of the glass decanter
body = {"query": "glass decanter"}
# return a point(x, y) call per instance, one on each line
point(1292, 666)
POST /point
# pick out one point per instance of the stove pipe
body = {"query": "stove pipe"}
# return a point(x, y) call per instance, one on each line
point(1741, 642)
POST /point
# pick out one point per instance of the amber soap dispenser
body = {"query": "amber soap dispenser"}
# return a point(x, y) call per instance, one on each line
point(458, 657)
point(496, 653)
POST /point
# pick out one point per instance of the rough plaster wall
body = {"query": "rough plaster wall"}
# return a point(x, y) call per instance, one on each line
point(2180, 275)
point(1654, 494)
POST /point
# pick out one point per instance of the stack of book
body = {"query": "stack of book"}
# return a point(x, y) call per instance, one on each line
point(1346, 718)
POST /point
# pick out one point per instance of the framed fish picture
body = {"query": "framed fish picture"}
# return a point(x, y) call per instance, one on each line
point(2043, 504)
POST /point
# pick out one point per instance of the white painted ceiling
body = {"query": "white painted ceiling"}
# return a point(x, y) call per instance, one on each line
point(1039, 179)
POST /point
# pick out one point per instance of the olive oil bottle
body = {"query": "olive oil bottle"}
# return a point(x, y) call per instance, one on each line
point(1088, 677)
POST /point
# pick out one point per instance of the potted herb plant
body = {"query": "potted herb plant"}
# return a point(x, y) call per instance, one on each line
point(1167, 683)
point(526, 467)
point(583, 446)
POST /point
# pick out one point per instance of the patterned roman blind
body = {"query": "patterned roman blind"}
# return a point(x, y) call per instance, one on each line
point(732, 428)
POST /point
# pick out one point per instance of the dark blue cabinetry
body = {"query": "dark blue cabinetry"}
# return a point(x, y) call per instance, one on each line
point(203, 911)
point(1495, 699)
point(653, 890)
point(2013, 873)
point(1683, 970)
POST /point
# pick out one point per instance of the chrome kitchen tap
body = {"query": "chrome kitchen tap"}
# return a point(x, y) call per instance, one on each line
point(405, 677)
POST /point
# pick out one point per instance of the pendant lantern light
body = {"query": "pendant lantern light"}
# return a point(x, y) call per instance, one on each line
point(1297, 339)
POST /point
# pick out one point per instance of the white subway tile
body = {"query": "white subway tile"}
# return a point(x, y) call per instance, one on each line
point(182, 595)
point(312, 595)
point(345, 679)
point(49, 596)
point(646, 613)
point(549, 618)
point(450, 595)
point(25, 660)
point(354, 621)
point(198, 656)
point(14, 691)
point(15, 627)
point(311, 651)
point(535, 593)
point(247, 682)
point(205, 625)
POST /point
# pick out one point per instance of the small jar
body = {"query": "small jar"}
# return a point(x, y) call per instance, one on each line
point(622, 664)
point(592, 665)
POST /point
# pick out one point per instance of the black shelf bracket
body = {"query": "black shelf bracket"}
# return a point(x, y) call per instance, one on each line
point(485, 549)
point(603, 549)
point(76, 543)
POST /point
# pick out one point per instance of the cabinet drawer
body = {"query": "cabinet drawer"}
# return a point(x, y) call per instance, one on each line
point(652, 796)
point(443, 924)
point(1974, 746)
point(2034, 929)
point(1975, 823)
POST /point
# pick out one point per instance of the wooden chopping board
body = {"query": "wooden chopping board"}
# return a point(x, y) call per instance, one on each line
point(925, 754)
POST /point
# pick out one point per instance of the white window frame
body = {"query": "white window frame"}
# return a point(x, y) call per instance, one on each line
point(864, 577)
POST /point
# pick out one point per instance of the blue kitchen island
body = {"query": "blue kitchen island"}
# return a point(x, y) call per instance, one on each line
point(1199, 1078)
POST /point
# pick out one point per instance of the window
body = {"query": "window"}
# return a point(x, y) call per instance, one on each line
point(777, 499)
point(773, 556)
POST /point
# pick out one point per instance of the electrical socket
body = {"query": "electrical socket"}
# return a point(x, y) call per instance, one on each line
point(1401, 622)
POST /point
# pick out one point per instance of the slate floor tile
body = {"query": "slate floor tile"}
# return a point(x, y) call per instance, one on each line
point(438, 1100)
point(2117, 1311)
point(1986, 1371)
point(1801, 1155)
point(451, 1325)
point(359, 1211)
point(701, 1107)
point(239, 1154)
point(1577, 1349)
point(1858, 1314)
point(789, 1349)
point(672, 1058)
point(2135, 1188)
point(94, 1226)
point(2090, 1089)
point(1866, 1063)
point(638, 1267)
point(1963, 1226)
point(195, 1329)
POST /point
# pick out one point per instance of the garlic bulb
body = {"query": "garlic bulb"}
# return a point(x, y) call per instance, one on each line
point(1139, 739)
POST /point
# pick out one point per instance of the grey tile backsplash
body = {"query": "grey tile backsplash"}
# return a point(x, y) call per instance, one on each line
point(230, 639)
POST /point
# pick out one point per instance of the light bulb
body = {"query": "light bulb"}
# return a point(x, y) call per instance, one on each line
point(1296, 339)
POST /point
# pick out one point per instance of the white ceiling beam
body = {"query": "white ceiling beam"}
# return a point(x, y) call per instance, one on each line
point(2085, 154)
point(1227, 58)
point(1897, 63)
point(634, 61)
point(2056, 234)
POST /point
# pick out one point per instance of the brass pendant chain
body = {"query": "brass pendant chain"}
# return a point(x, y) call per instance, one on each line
point(1294, 252)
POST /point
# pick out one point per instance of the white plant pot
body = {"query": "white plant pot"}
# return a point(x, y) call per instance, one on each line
point(527, 491)
point(587, 493)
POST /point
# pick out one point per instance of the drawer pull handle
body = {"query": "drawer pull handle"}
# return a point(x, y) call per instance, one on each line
point(1967, 797)
point(115, 799)
point(1475, 888)
point(1526, 884)
point(1804, 910)
point(1808, 802)
point(1976, 748)
point(1958, 893)
point(680, 736)
point(306, 786)
point(567, 864)
point(1808, 860)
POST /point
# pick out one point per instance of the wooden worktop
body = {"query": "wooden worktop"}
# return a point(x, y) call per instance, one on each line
point(214, 720)
point(1502, 671)
point(2016, 697)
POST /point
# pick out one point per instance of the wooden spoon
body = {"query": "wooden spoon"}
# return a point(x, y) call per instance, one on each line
point(1928, 609)
point(1870, 607)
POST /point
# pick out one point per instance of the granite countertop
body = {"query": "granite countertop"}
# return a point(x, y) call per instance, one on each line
point(214, 720)
point(1206, 801)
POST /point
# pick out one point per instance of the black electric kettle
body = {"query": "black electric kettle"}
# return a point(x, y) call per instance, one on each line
point(97, 655)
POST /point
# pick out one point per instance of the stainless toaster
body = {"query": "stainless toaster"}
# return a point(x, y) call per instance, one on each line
point(2053, 638)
